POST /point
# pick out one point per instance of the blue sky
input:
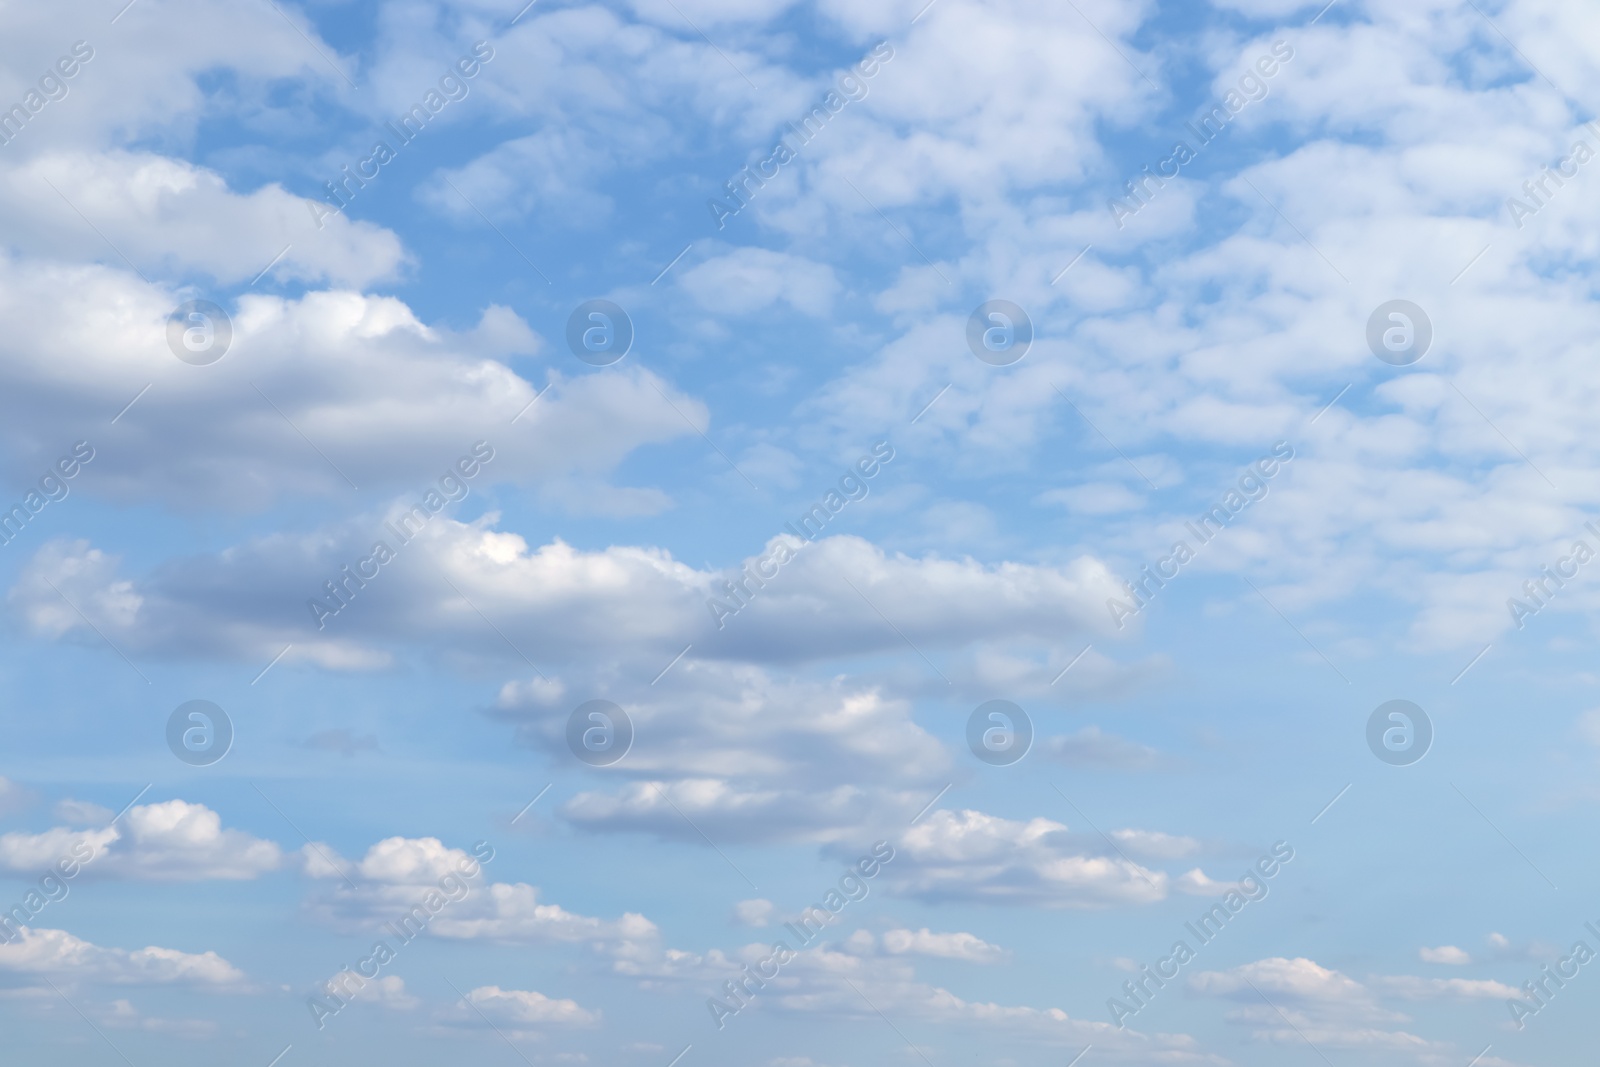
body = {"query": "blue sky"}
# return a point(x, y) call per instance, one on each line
point(1352, 324)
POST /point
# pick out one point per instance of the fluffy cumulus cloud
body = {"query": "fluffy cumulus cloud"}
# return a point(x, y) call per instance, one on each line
point(58, 954)
point(173, 841)
point(396, 376)
point(973, 856)
point(559, 600)
point(746, 756)
point(141, 76)
point(423, 885)
point(756, 912)
point(1463, 473)
point(729, 809)
point(597, 94)
point(924, 942)
point(856, 980)
point(389, 993)
point(1413, 988)
point(515, 912)
point(332, 391)
point(170, 217)
point(750, 280)
point(1446, 954)
point(382, 395)
point(521, 1007)
point(1306, 1001)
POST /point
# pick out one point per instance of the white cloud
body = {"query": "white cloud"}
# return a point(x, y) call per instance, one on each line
point(731, 811)
point(1153, 844)
point(13, 797)
point(169, 216)
point(549, 173)
point(388, 991)
point(637, 602)
point(1589, 726)
point(952, 946)
point(1300, 978)
point(448, 893)
point(938, 118)
point(122, 1015)
point(173, 841)
point(1196, 882)
point(1267, 8)
point(24, 852)
point(1097, 498)
point(1093, 747)
point(972, 856)
point(729, 721)
point(748, 280)
point(514, 912)
point(519, 1007)
point(592, 95)
point(413, 861)
point(1446, 954)
point(81, 812)
point(1408, 125)
point(747, 756)
point(1503, 948)
point(1403, 485)
point(58, 953)
point(756, 912)
point(1318, 1004)
point(1414, 988)
point(143, 80)
point(398, 878)
point(388, 401)
point(827, 982)
point(710, 12)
